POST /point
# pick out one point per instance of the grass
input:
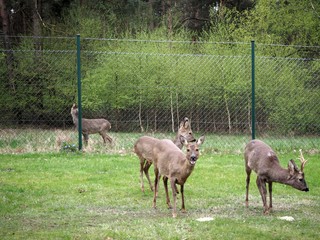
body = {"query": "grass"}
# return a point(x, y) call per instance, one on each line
point(32, 140)
point(98, 196)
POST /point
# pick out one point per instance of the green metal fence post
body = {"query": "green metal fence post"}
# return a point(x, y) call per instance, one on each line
point(79, 93)
point(253, 113)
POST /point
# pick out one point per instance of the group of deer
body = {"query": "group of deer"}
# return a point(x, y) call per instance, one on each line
point(174, 165)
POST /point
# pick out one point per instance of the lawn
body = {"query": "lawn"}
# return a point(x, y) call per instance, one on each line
point(98, 196)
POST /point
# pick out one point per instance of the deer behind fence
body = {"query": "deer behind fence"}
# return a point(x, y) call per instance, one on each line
point(92, 126)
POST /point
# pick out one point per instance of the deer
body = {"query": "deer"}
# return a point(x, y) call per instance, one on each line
point(175, 166)
point(184, 130)
point(144, 145)
point(260, 158)
point(92, 126)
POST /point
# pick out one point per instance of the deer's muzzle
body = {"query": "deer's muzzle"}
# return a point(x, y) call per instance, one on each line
point(193, 160)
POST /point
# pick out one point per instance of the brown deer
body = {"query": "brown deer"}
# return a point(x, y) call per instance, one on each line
point(260, 158)
point(175, 166)
point(185, 131)
point(92, 126)
point(144, 145)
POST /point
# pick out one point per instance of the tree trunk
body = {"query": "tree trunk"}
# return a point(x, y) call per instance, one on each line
point(7, 45)
point(172, 113)
point(228, 112)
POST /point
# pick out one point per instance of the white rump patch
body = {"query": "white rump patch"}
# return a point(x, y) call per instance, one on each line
point(205, 219)
point(286, 218)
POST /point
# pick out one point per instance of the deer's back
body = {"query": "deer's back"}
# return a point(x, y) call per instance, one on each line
point(95, 125)
point(144, 147)
point(170, 160)
point(260, 157)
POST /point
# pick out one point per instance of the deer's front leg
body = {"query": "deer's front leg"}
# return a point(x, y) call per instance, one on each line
point(174, 195)
point(263, 192)
point(270, 195)
point(165, 182)
point(85, 138)
point(156, 183)
point(183, 209)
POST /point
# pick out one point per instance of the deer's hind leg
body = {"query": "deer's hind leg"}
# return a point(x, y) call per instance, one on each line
point(248, 171)
point(146, 172)
point(142, 162)
point(105, 137)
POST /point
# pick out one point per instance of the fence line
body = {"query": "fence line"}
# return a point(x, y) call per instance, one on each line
point(150, 86)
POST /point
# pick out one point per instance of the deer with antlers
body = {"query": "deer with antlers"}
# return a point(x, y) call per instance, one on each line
point(260, 158)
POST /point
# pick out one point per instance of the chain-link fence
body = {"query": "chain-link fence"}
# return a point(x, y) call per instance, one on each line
point(147, 87)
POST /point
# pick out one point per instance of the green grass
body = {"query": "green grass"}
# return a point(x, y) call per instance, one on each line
point(33, 140)
point(98, 196)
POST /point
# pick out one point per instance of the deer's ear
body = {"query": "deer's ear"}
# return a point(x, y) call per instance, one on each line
point(183, 140)
point(200, 140)
point(186, 123)
point(292, 167)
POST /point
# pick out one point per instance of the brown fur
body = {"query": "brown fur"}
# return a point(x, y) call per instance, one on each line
point(175, 166)
point(144, 145)
point(92, 126)
point(260, 158)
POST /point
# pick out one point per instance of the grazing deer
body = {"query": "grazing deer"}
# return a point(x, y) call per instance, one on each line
point(175, 166)
point(144, 145)
point(260, 158)
point(91, 126)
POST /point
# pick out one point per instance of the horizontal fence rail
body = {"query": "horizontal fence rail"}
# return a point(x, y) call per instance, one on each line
point(148, 87)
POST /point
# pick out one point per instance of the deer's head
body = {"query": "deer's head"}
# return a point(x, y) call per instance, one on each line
point(296, 175)
point(192, 154)
point(74, 110)
point(185, 130)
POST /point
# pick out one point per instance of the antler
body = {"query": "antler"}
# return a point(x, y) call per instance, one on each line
point(302, 160)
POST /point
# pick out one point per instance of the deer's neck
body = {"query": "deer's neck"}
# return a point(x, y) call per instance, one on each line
point(279, 175)
point(185, 172)
point(177, 142)
point(75, 119)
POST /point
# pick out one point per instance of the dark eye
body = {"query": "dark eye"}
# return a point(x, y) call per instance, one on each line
point(300, 179)
point(190, 133)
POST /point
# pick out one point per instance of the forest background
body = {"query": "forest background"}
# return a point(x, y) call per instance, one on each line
point(39, 86)
point(288, 22)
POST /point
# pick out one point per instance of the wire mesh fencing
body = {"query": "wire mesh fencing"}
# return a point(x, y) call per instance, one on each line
point(148, 87)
